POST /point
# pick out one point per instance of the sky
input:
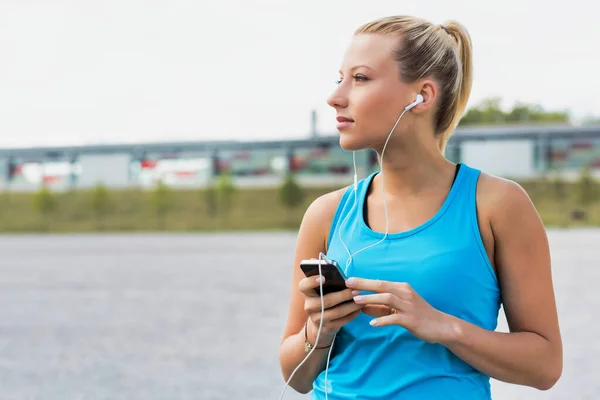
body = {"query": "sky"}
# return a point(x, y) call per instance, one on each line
point(121, 71)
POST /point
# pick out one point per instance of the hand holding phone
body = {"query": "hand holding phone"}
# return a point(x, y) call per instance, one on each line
point(335, 279)
point(337, 299)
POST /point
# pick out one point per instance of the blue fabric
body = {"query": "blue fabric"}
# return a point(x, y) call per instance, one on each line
point(445, 261)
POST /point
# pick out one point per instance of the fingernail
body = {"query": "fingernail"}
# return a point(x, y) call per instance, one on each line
point(350, 281)
point(373, 322)
point(355, 292)
point(321, 279)
point(358, 299)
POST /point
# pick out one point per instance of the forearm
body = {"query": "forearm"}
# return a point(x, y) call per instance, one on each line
point(291, 355)
point(524, 358)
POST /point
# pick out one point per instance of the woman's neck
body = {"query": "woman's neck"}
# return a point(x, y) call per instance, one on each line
point(410, 170)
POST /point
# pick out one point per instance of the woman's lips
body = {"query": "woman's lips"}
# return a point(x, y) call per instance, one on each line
point(344, 122)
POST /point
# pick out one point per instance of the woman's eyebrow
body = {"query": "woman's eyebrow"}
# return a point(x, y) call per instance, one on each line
point(359, 66)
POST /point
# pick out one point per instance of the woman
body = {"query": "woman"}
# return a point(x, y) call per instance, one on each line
point(432, 251)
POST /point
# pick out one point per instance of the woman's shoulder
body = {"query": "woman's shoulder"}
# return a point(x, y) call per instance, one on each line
point(498, 197)
point(321, 213)
point(325, 206)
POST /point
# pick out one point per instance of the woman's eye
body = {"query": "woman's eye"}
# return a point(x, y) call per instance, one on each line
point(358, 78)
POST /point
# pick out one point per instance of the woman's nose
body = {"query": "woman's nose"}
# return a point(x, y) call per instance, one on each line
point(338, 99)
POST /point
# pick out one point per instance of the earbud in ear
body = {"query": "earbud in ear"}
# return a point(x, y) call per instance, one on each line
point(419, 100)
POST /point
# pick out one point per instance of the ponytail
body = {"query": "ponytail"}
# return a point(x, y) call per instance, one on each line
point(464, 80)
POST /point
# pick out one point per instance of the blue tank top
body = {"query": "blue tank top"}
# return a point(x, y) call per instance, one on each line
point(445, 261)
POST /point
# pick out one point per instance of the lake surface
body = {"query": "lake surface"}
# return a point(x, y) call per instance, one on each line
point(197, 316)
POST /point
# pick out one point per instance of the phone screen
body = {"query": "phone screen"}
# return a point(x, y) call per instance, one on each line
point(335, 279)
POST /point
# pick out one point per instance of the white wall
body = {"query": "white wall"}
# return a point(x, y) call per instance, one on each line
point(512, 159)
point(111, 170)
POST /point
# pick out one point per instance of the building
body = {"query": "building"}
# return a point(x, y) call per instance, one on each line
point(518, 152)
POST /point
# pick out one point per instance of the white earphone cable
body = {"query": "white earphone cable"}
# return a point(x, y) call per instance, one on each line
point(321, 257)
point(351, 255)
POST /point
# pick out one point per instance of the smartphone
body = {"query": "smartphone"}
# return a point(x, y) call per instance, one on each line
point(335, 279)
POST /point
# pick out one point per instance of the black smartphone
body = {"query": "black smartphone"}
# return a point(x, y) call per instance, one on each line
point(335, 279)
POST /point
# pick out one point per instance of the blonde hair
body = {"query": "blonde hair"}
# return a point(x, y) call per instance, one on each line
point(442, 52)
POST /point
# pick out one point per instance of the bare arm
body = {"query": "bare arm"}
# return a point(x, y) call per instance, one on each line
point(531, 354)
point(311, 240)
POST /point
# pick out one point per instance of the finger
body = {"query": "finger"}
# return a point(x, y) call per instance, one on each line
point(337, 312)
point(387, 299)
point(343, 310)
point(394, 319)
point(338, 323)
point(370, 285)
point(308, 285)
point(332, 299)
point(376, 310)
point(335, 325)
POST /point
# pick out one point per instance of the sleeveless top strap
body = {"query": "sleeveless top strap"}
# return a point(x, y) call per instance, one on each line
point(471, 205)
point(336, 217)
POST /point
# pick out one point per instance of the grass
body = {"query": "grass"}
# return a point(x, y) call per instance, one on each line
point(252, 209)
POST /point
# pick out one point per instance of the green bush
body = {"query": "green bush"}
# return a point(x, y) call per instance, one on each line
point(100, 204)
point(45, 205)
point(226, 192)
point(211, 200)
point(291, 195)
point(162, 203)
point(588, 191)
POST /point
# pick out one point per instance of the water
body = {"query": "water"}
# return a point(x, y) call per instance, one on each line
point(200, 316)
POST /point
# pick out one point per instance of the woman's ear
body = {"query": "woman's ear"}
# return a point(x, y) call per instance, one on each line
point(428, 89)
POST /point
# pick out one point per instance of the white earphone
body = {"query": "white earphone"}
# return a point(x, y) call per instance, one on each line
point(351, 255)
point(419, 100)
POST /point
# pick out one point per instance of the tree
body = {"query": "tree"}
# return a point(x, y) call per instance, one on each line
point(523, 112)
point(291, 195)
point(45, 204)
point(162, 201)
point(490, 112)
point(100, 204)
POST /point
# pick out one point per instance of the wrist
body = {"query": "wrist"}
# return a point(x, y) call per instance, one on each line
point(451, 332)
point(325, 339)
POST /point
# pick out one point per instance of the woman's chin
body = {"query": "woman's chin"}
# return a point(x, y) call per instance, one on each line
point(349, 143)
